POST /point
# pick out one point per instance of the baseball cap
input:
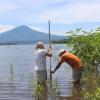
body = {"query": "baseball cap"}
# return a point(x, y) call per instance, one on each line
point(61, 51)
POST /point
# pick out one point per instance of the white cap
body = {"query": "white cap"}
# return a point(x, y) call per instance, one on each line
point(40, 43)
point(61, 51)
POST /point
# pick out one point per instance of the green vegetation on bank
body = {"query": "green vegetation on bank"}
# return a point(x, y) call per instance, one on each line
point(87, 47)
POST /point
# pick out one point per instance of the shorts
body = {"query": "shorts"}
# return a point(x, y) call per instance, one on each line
point(41, 76)
point(77, 73)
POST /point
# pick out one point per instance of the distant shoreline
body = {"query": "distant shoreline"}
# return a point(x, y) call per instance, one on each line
point(62, 41)
point(28, 43)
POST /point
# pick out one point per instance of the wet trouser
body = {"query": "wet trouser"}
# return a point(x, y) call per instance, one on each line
point(77, 73)
point(41, 90)
point(41, 76)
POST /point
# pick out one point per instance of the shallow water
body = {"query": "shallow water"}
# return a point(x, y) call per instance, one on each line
point(16, 73)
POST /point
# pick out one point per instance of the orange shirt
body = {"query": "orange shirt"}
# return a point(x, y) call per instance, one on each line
point(72, 60)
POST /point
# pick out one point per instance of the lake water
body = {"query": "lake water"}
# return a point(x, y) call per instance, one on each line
point(17, 72)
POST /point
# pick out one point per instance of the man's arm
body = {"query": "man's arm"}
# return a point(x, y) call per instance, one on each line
point(57, 66)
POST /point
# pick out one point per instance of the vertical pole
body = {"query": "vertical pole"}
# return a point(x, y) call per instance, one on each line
point(50, 47)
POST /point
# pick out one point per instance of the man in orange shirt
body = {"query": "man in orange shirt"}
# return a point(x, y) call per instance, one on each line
point(73, 61)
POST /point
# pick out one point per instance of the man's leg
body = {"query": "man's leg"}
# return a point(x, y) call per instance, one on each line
point(41, 76)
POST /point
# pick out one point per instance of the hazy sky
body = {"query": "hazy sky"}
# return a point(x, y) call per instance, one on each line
point(64, 15)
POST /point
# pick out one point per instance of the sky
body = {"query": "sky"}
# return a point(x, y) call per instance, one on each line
point(64, 15)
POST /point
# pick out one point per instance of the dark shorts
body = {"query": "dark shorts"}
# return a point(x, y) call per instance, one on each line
point(77, 73)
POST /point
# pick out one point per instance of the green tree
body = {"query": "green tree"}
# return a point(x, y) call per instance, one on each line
point(86, 45)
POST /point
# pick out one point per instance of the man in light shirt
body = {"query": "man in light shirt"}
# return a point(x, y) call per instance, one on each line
point(40, 62)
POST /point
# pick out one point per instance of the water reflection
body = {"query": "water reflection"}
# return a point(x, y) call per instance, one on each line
point(76, 93)
point(11, 79)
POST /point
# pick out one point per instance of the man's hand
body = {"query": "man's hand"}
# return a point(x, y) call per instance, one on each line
point(52, 72)
point(49, 52)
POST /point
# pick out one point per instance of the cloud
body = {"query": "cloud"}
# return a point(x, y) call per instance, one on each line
point(7, 6)
point(59, 11)
point(38, 29)
point(62, 11)
point(4, 28)
point(72, 13)
point(38, 12)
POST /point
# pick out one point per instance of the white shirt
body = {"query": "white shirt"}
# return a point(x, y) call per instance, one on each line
point(40, 59)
